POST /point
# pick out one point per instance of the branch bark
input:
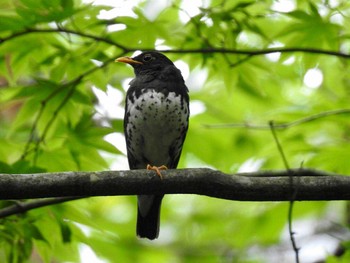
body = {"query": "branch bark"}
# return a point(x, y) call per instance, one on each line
point(307, 184)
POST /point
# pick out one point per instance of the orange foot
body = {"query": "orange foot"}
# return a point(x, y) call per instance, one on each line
point(157, 169)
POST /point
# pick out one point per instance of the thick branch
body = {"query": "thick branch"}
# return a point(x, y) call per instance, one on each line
point(259, 186)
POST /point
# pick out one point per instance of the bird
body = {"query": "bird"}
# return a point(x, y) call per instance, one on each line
point(155, 126)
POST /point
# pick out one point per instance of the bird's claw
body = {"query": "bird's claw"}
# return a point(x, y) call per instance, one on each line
point(157, 169)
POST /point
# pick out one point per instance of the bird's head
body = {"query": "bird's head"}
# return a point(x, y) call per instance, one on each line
point(147, 61)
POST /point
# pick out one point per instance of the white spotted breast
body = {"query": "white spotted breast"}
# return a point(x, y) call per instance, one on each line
point(157, 124)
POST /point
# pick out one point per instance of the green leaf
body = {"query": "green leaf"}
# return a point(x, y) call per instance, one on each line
point(23, 166)
point(299, 14)
point(35, 233)
point(117, 125)
point(65, 232)
point(314, 9)
point(11, 23)
point(67, 4)
point(5, 168)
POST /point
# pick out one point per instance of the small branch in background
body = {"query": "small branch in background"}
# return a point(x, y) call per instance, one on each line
point(279, 146)
point(27, 149)
point(22, 207)
point(64, 30)
point(258, 52)
point(180, 51)
point(293, 191)
point(281, 126)
point(291, 232)
point(240, 61)
point(70, 92)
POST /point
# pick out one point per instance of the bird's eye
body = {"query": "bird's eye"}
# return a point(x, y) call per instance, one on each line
point(147, 57)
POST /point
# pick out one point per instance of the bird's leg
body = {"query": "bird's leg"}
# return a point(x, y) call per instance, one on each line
point(157, 169)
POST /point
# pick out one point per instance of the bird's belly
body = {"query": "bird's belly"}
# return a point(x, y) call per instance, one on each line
point(155, 126)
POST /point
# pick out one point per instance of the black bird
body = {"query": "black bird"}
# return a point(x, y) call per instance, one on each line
point(155, 126)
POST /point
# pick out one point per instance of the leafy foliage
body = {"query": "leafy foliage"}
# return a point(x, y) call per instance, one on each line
point(249, 62)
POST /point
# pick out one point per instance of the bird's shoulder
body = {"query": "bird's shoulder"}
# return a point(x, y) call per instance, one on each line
point(169, 79)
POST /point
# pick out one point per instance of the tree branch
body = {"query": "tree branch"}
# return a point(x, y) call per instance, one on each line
point(281, 126)
point(63, 30)
point(22, 207)
point(259, 52)
point(293, 190)
point(257, 186)
point(126, 49)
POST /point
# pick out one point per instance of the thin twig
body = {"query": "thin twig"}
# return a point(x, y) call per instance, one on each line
point(63, 30)
point(291, 232)
point(125, 49)
point(280, 126)
point(258, 52)
point(22, 207)
point(293, 192)
point(280, 149)
point(240, 61)
point(32, 131)
point(53, 118)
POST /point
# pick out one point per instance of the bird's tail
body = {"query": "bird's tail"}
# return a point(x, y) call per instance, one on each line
point(148, 216)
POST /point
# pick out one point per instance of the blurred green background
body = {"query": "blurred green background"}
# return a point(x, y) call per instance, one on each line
point(61, 109)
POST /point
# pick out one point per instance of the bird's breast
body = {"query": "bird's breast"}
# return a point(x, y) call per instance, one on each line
point(156, 121)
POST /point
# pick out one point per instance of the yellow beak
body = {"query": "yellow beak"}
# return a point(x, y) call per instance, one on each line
point(128, 60)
